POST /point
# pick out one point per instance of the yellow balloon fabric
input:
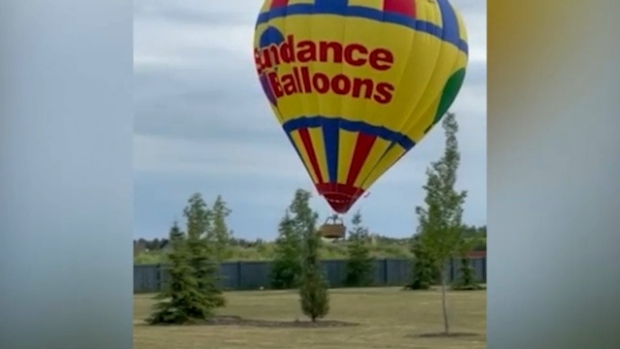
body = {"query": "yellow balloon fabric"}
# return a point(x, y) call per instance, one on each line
point(356, 84)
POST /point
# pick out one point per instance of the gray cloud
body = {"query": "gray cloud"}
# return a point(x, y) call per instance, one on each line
point(198, 12)
point(202, 123)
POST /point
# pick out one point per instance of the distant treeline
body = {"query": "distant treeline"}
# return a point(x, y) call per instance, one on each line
point(153, 251)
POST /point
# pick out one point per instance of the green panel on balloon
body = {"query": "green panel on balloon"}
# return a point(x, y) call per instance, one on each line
point(450, 91)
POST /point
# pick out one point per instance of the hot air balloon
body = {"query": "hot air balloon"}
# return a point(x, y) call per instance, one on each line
point(356, 84)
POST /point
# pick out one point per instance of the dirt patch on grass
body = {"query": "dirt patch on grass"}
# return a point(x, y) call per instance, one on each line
point(447, 335)
point(239, 321)
point(231, 320)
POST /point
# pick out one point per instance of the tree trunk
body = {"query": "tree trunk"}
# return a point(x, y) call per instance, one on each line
point(444, 282)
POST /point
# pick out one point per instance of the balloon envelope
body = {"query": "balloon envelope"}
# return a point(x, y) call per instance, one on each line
point(356, 84)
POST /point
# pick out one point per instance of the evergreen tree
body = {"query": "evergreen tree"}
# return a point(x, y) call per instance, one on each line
point(219, 234)
point(180, 300)
point(440, 221)
point(423, 273)
point(360, 264)
point(313, 289)
point(467, 278)
point(286, 265)
point(203, 258)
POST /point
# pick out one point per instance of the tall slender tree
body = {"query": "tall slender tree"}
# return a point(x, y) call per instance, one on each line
point(286, 265)
point(440, 220)
point(203, 258)
point(359, 264)
point(313, 288)
point(220, 235)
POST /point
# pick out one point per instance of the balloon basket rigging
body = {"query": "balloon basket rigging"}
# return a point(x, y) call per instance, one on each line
point(333, 228)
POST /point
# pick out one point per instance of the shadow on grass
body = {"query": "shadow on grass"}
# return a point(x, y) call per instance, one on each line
point(447, 335)
point(239, 321)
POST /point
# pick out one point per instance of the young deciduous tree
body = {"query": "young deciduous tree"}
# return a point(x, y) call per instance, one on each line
point(203, 258)
point(180, 300)
point(360, 264)
point(286, 265)
point(313, 289)
point(440, 221)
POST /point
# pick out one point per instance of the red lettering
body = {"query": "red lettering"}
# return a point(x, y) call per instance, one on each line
point(307, 51)
point(297, 79)
point(365, 85)
point(272, 54)
point(257, 61)
point(341, 84)
point(320, 82)
point(286, 50)
point(335, 47)
point(381, 59)
point(384, 93)
point(274, 83)
point(300, 79)
point(288, 84)
point(349, 55)
point(305, 77)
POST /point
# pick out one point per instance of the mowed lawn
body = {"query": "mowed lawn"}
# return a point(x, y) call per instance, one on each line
point(387, 318)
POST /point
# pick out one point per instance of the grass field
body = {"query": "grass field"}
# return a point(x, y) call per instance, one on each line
point(387, 318)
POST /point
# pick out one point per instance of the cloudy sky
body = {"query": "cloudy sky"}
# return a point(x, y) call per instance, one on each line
point(203, 124)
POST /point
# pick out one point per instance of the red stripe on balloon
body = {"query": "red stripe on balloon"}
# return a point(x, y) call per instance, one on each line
point(278, 3)
point(340, 197)
point(403, 7)
point(307, 142)
point(363, 145)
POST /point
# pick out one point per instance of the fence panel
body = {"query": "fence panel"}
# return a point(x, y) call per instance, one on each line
point(398, 272)
point(254, 275)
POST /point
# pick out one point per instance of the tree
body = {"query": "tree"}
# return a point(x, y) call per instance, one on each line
point(286, 265)
point(360, 264)
point(203, 258)
point(440, 221)
point(180, 300)
point(220, 235)
point(313, 289)
point(423, 272)
point(467, 279)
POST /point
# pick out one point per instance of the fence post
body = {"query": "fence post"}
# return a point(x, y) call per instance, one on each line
point(239, 273)
point(385, 272)
point(159, 278)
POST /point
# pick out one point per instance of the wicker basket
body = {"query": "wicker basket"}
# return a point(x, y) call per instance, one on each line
point(333, 228)
point(332, 231)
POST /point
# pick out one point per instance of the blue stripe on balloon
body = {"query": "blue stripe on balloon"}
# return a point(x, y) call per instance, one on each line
point(347, 125)
point(449, 22)
point(330, 5)
point(335, 7)
point(331, 139)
